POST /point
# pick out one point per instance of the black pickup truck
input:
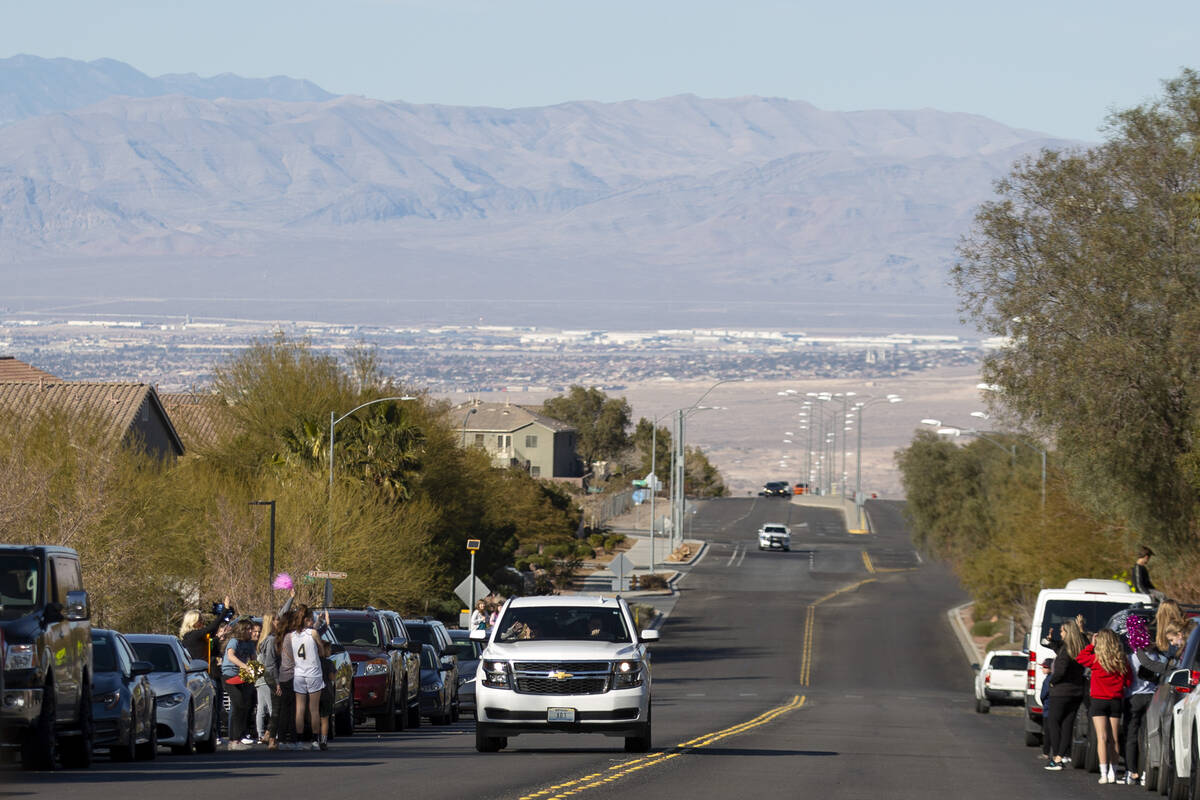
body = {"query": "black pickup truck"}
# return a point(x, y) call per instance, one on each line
point(46, 708)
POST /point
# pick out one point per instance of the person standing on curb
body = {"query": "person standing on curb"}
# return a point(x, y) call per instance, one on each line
point(1138, 696)
point(1110, 678)
point(1044, 697)
point(1066, 693)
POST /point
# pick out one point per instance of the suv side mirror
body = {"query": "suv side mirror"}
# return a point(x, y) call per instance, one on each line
point(77, 606)
point(397, 644)
point(141, 668)
point(649, 636)
point(197, 665)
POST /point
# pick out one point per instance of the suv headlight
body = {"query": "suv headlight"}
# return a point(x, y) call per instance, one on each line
point(110, 699)
point(376, 666)
point(170, 700)
point(495, 674)
point(20, 656)
point(627, 674)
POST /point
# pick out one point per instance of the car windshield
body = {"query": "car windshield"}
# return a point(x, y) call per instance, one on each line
point(465, 650)
point(563, 623)
point(1095, 615)
point(161, 655)
point(18, 585)
point(423, 634)
point(104, 653)
point(1019, 663)
point(774, 529)
point(356, 631)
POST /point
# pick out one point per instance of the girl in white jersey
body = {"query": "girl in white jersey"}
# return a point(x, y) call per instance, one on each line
point(307, 649)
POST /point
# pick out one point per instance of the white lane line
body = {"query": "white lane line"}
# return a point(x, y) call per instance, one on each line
point(733, 555)
point(747, 694)
point(743, 556)
point(919, 559)
point(696, 694)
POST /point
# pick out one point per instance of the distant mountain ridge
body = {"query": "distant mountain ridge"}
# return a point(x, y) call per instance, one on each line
point(733, 198)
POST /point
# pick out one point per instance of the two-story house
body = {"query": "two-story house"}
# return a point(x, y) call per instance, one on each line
point(515, 436)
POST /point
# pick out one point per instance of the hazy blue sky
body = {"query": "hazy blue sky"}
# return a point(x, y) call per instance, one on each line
point(1052, 65)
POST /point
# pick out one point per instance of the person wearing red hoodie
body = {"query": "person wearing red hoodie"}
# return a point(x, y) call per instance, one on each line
point(1110, 677)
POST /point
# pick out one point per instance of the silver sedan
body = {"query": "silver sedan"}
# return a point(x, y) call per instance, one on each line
point(183, 691)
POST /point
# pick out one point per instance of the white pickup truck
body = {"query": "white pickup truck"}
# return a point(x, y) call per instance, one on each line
point(563, 664)
point(1001, 679)
point(774, 535)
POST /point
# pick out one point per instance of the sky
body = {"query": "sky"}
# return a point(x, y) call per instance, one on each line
point(1055, 66)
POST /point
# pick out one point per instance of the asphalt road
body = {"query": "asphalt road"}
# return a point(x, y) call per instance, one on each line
point(829, 671)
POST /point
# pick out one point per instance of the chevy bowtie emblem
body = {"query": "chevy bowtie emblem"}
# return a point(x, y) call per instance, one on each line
point(561, 676)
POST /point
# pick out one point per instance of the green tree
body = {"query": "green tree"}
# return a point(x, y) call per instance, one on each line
point(1087, 264)
point(602, 422)
point(700, 477)
point(643, 439)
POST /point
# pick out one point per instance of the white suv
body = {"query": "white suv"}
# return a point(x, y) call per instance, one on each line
point(774, 535)
point(563, 664)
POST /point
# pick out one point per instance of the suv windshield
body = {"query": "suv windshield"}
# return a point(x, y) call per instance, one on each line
point(18, 585)
point(352, 631)
point(564, 623)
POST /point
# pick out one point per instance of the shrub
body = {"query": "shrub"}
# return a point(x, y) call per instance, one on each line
point(596, 540)
point(984, 627)
point(652, 581)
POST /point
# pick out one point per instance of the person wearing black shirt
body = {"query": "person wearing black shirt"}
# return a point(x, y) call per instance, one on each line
point(1141, 575)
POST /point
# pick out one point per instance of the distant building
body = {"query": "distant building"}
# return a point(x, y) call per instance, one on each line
point(515, 436)
point(197, 417)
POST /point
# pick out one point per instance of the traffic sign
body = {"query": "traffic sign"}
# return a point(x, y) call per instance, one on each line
point(621, 566)
point(324, 573)
point(463, 590)
point(472, 545)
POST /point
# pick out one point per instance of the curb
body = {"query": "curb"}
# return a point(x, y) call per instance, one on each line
point(963, 635)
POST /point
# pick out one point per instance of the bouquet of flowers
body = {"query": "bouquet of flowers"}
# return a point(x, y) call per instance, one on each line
point(252, 671)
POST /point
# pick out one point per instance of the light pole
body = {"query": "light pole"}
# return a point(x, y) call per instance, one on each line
point(1033, 447)
point(333, 424)
point(858, 408)
point(467, 416)
point(271, 551)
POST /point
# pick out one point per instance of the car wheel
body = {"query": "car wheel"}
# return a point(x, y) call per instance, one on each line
point(488, 744)
point(1092, 756)
point(455, 711)
point(1174, 786)
point(343, 723)
point(148, 750)
point(40, 749)
point(414, 715)
point(982, 706)
point(125, 752)
point(641, 742)
point(1033, 739)
point(1163, 784)
point(209, 743)
point(1149, 769)
point(386, 721)
point(188, 747)
point(76, 751)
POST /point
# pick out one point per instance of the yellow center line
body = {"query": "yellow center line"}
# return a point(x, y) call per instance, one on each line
point(867, 562)
point(810, 622)
point(618, 771)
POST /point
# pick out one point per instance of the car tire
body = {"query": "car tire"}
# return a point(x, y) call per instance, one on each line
point(1149, 771)
point(148, 750)
point(76, 751)
point(399, 710)
point(343, 724)
point(488, 744)
point(40, 748)
point(1033, 739)
point(1163, 784)
point(414, 715)
point(126, 751)
point(188, 748)
point(209, 744)
point(640, 743)
point(455, 711)
point(1092, 756)
point(386, 721)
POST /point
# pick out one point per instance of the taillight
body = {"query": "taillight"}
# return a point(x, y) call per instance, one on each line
point(987, 678)
point(1193, 679)
point(1031, 672)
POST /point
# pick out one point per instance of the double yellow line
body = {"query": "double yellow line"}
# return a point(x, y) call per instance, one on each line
point(810, 624)
point(618, 771)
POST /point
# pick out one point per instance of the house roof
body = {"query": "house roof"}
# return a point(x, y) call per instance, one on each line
point(195, 416)
point(506, 417)
point(119, 402)
point(13, 370)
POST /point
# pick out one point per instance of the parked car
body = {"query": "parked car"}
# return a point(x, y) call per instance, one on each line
point(430, 631)
point(340, 673)
point(436, 690)
point(183, 693)
point(47, 653)
point(410, 649)
point(774, 535)
point(567, 664)
point(1001, 679)
point(775, 489)
point(380, 680)
point(123, 704)
point(1160, 717)
point(467, 650)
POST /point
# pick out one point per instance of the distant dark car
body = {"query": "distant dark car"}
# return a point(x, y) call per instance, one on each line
point(432, 632)
point(435, 687)
point(123, 707)
point(775, 489)
point(411, 650)
point(468, 663)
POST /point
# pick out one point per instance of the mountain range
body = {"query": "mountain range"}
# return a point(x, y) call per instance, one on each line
point(115, 176)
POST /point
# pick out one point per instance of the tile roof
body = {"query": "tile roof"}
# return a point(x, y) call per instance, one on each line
point(505, 417)
point(197, 417)
point(121, 403)
point(13, 370)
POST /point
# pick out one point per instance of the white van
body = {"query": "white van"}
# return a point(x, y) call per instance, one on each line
point(1097, 600)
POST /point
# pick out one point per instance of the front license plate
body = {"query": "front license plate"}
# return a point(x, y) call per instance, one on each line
point(560, 715)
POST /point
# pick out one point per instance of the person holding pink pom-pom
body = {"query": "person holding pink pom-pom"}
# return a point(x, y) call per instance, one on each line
point(1143, 657)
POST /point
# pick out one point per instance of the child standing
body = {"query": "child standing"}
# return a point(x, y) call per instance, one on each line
point(1110, 678)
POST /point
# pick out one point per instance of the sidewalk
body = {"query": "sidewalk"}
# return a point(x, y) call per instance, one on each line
point(849, 510)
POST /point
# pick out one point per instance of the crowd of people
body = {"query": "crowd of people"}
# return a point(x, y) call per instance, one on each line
point(277, 668)
point(1119, 673)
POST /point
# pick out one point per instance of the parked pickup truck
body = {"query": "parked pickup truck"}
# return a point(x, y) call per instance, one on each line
point(1001, 679)
point(774, 535)
point(569, 664)
point(46, 709)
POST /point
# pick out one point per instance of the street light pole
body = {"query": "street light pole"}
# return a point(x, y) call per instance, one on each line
point(271, 551)
point(333, 424)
